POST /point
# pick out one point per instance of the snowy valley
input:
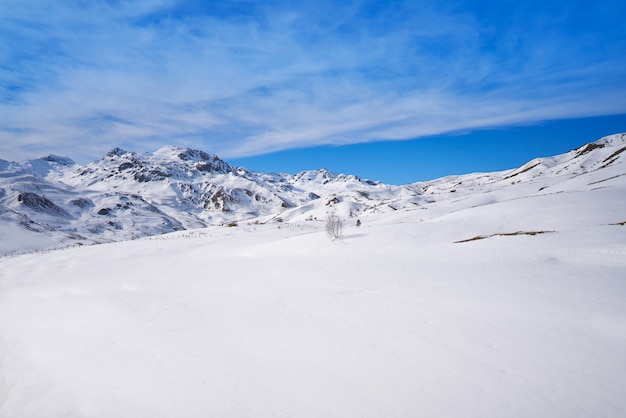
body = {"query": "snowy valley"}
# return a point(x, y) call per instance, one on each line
point(53, 202)
point(487, 294)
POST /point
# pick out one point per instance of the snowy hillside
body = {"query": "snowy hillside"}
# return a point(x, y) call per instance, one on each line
point(53, 203)
point(482, 295)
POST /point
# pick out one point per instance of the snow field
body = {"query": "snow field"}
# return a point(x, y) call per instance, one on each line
point(395, 319)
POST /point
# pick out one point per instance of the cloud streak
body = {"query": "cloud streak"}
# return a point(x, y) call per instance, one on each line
point(243, 78)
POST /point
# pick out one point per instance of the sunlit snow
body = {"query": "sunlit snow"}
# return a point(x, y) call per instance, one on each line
point(485, 295)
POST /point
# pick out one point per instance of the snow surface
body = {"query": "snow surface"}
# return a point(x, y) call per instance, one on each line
point(485, 295)
point(395, 319)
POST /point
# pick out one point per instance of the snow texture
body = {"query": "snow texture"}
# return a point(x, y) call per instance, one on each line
point(497, 294)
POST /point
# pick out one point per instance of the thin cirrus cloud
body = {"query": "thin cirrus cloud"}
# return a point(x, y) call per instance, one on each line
point(243, 78)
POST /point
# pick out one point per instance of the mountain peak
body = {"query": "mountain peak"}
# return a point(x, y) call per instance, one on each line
point(193, 158)
point(189, 154)
point(59, 160)
point(321, 176)
point(616, 139)
point(117, 152)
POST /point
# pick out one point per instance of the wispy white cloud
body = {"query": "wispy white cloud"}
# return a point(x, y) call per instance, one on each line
point(241, 78)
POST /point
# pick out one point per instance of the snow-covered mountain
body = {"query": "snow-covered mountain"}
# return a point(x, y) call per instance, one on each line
point(52, 201)
point(498, 294)
point(126, 195)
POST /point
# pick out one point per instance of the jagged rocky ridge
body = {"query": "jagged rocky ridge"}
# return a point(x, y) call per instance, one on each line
point(126, 195)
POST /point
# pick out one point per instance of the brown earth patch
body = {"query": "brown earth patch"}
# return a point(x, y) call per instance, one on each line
point(503, 234)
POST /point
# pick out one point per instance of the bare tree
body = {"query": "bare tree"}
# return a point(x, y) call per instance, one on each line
point(334, 225)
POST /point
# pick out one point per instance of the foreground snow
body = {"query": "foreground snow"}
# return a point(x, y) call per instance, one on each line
point(395, 319)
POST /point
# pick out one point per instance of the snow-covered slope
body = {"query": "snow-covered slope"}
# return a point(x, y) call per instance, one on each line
point(52, 202)
point(503, 298)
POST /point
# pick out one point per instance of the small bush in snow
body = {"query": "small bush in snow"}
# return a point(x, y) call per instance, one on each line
point(334, 225)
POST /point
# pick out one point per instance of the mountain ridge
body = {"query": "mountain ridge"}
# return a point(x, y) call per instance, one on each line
point(53, 201)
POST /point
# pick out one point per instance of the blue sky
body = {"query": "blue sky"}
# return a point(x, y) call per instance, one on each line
point(431, 157)
point(392, 90)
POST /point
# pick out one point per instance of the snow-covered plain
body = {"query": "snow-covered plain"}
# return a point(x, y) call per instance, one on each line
point(510, 302)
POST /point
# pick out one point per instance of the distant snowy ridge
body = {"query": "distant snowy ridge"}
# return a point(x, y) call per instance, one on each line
point(52, 201)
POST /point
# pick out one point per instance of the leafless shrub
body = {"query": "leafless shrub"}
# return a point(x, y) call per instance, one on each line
point(334, 225)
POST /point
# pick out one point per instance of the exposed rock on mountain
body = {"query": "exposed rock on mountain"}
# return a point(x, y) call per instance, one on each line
point(41, 204)
point(127, 195)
